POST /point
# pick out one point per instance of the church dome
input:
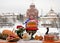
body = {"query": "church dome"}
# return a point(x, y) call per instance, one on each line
point(51, 13)
point(32, 5)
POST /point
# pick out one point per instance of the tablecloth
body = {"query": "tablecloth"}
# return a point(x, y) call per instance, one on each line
point(29, 41)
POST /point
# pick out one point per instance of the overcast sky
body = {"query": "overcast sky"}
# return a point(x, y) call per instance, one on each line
point(22, 5)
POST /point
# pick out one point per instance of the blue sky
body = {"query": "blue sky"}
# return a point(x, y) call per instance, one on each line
point(22, 5)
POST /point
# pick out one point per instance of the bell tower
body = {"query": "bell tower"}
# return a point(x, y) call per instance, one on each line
point(32, 12)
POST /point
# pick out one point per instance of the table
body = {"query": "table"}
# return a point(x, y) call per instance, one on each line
point(21, 41)
point(52, 41)
point(5, 41)
point(29, 41)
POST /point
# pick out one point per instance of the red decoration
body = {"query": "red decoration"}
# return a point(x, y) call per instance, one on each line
point(19, 26)
point(32, 28)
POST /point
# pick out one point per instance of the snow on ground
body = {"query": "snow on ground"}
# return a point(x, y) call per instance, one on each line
point(41, 31)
